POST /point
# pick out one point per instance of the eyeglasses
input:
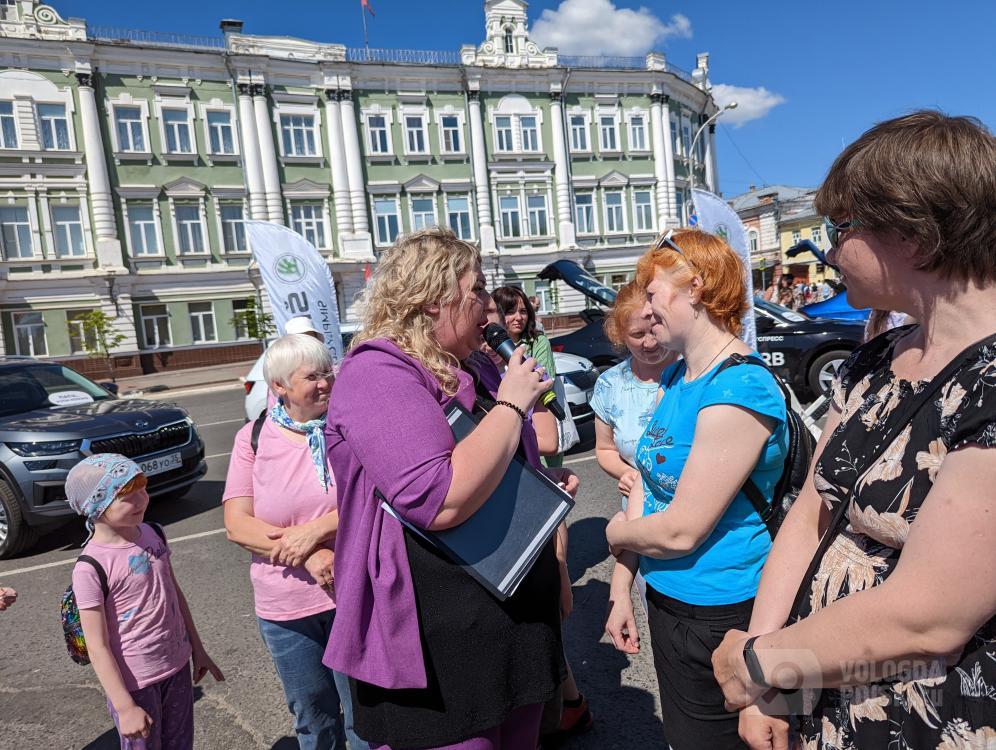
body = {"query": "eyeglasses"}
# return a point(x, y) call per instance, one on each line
point(835, 230)
point(665, 241)
point(316, 376)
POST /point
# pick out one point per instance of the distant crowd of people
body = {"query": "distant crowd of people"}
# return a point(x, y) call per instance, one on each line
point(866, 620)
point(787, 292)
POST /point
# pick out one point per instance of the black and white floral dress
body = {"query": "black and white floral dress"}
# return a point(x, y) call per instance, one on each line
point(950, 706)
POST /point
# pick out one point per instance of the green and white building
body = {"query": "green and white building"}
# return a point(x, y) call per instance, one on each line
point(130, 159)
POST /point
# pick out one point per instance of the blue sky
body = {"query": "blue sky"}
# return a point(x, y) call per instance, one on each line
point(814, 74)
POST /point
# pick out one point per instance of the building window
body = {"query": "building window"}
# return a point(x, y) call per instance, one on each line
point(644, 210)
point(451, 134)
point(503, 132)
point(177, 128)
point(530, 135)
point(388, 226)
point(8, 125)
point(377, 133)
point(415, 134)
point(607, 132)
point(536, 205)
point(686, 138)
point(307, 221)
point(458, 216)
point(190, 237)
point(679, 205)
point(155, 326)
point(816, 235)
point(675, 141)
point(700, 150)
point(579, 133)
point(511, 225)
point(423, 213)
point(82, 338)
point(202, 322)
point(233, 228)
point(796, 236)
point(15, 233)
point(637, 133)
point(142, 230)
point(220, 132)
point(68, 231)
point(29, 334)
point(584, 212)
point(298, 134)
point(614, 212)
point(543, 292)
point(54, 127)
point(509, 42)
point(240, 318)
point(128, 123)
point(752, 236)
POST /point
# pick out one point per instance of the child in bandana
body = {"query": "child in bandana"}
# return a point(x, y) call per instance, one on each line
point(140, 637)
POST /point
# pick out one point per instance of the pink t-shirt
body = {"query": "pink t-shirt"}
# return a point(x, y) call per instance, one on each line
point(285, 489)
point(145, 629)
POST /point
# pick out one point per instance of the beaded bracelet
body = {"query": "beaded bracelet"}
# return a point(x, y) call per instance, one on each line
point(513, 407)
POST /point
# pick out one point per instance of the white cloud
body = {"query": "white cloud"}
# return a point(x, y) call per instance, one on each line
point(752, 103)
point(598, 27)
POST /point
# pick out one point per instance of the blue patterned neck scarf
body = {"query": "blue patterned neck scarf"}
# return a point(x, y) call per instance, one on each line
point(315, 430)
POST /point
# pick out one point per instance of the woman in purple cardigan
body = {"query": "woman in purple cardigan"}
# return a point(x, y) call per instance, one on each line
point(434, 659)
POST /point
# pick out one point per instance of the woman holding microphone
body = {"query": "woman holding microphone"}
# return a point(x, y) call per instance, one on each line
point(434, 659)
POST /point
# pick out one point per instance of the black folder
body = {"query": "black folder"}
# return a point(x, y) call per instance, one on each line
point(499, 544)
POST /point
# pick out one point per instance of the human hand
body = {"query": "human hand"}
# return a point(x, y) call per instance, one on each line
point(566, 478)
point(321, 567)
point(731, 674)
point(628, 480)
point(522, 384)
point(763, 732)
point(203, 665)
point(7, 597)
point(613, 533)
point(620, 623)
point(134, 723)
point(293, 544)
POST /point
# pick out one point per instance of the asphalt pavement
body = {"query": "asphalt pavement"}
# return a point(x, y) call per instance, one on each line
point(46, 700)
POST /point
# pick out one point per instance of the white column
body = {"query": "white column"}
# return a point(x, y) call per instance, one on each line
point(712, 172)
point(561, 175)
point(354, 163)
point(337, 161)
point(672, 204)
point(483, 197)
point(658, 137)
point(250, 154)
point(267, 154)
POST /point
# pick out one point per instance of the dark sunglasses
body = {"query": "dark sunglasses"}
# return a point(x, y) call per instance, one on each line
point(665, 241)
point(835, 230)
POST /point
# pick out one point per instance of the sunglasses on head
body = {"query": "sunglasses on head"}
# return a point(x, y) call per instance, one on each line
point(835, 230)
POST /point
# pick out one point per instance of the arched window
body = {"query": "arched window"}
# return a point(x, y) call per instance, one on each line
point(509, 42)
point(752, 236)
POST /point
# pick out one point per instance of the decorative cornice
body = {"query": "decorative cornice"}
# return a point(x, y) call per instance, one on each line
point(257, 89)
point(85, 80)
point(474, 95)
point(657, 98)
point(332, 95)
point(245, 89)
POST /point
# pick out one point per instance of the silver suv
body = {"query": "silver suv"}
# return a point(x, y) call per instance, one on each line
point(51, 417)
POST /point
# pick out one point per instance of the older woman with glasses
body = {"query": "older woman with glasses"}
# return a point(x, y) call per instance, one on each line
point(280, 504)
point(893, 614)
point(700, 544)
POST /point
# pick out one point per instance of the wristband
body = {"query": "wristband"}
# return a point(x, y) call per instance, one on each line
point(753, 664)
point(513, 407)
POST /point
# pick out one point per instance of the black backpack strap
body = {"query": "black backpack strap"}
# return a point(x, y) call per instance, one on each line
point(101, 575)
point(160, 532)
point(257, 427)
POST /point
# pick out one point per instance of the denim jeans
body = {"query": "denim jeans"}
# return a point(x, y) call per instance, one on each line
point(314, 692)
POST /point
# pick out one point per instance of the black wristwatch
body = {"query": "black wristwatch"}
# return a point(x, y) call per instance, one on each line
point(753, 665)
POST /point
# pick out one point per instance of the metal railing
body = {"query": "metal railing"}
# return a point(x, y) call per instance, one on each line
point(402, 56)
point(616, 62)
point(120, 35)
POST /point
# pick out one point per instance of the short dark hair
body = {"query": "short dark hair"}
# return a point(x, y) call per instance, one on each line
point(930, 178)
point(507, 298)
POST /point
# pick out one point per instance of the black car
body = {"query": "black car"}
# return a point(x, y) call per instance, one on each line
point(804, 351)
point(51, 417)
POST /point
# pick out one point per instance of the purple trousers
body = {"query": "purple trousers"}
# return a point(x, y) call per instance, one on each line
point(520, 731)
point(170, 705)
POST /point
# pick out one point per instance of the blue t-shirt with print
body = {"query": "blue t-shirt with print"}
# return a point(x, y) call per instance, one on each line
point(726, 567)
point(625, 403)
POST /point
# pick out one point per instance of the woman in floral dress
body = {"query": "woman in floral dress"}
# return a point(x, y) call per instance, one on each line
point(894, 631)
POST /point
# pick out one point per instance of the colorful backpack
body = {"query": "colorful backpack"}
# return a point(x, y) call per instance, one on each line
point(72, 630)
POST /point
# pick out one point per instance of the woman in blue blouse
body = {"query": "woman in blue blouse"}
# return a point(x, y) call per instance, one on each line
point(699, 542)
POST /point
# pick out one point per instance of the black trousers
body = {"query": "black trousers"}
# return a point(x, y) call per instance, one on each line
point(683, 637)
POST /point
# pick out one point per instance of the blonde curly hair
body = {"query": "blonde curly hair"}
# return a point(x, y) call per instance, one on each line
point(420, 269)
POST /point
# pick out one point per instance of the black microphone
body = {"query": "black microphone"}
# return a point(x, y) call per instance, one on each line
point(498, 339)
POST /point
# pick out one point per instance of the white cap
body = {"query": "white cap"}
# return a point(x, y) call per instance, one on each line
point(300, 324)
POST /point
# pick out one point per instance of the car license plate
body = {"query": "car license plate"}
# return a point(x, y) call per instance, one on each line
point(153, 466)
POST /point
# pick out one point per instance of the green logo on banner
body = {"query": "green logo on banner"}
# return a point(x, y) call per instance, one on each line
point(723, 231)
point(289, 269)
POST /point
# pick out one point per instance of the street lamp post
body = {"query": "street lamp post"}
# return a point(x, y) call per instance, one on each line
point(695, 140)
